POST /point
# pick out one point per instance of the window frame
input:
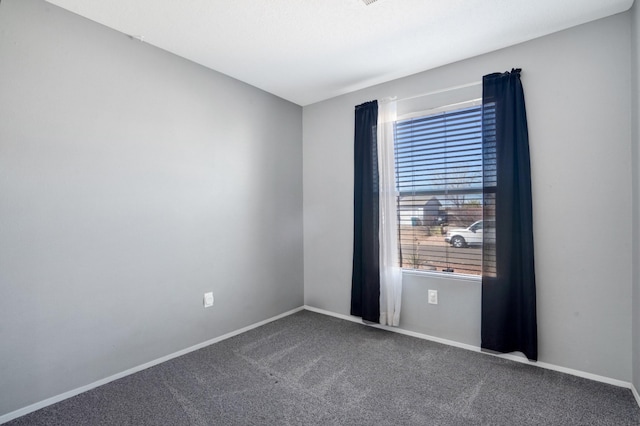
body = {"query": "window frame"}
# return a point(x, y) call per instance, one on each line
point(474, 102)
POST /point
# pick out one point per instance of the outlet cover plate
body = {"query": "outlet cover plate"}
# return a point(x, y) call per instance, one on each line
point(433, 297)
point(208, 300)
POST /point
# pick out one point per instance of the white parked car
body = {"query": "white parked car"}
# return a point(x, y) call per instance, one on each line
point(464, 237)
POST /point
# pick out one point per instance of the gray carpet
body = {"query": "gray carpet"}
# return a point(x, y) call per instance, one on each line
point(310, 369)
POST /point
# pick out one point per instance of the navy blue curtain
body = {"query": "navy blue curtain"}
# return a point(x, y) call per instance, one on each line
point(508, 278)
point(365, 280)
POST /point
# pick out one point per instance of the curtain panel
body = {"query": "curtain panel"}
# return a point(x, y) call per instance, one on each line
point(509, 320)
point(365, 280)
point(390, 269)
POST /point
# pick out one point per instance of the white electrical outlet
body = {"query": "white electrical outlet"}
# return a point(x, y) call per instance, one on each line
point(433, 297)
point(208, 300)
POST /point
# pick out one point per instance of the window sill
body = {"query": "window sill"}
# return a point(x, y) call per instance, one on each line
point(442, 275)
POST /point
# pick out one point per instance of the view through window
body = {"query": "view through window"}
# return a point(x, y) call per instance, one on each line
point(439, 181)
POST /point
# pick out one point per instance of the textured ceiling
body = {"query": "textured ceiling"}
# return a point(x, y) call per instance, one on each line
point(309, 50)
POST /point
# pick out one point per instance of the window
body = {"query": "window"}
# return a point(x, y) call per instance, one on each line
point(439, 181)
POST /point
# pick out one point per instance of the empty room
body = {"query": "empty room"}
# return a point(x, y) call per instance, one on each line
point(326, 212)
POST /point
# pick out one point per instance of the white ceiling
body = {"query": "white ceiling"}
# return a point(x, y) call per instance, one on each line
point(309, 50)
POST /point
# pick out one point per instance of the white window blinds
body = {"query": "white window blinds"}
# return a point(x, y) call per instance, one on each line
point(439, 182)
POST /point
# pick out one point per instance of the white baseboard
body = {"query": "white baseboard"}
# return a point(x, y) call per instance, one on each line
point(49, 401)
point(511, 357)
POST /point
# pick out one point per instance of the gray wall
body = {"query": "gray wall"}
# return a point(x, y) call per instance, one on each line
point(578, 102)
point(131, 182)
point(635, 99)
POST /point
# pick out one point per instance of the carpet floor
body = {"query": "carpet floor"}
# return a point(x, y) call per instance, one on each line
point(311, 369)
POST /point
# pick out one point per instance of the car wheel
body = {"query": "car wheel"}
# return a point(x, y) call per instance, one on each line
point(458, 242)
